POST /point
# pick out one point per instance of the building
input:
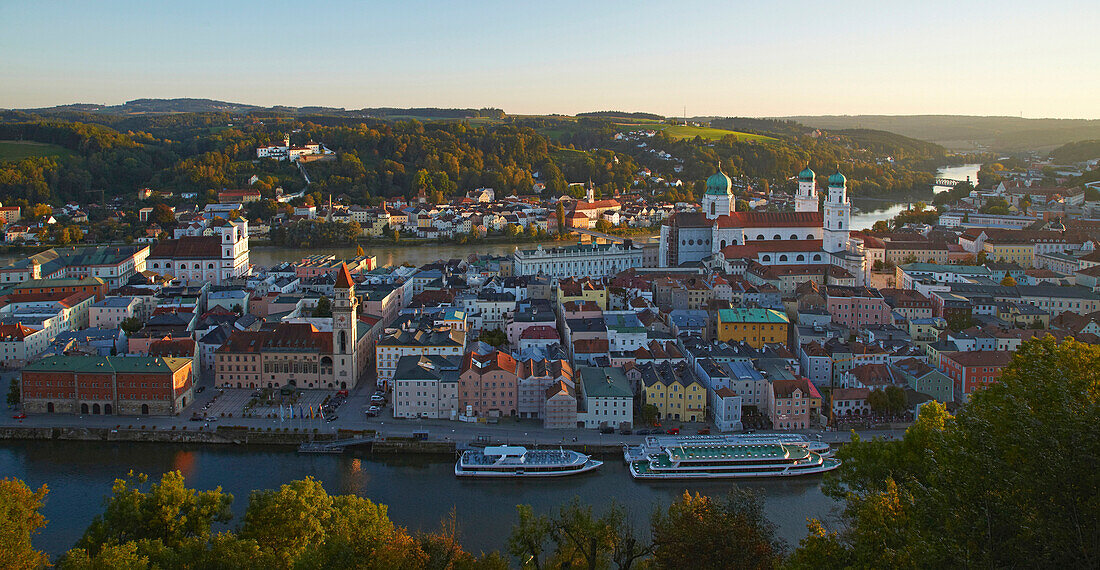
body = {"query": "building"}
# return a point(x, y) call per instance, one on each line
point(20, 344)
point(675, 391)
point(972, 370)
point(426, 386)
point(442, 340)
point(791, 403)
point(850, 402)
point(214, 259)
point(755, 327)
point(606, 398)
point(487, 385)
point(591, 260)
point(855, 307)
point(107, 385)
point(720, 235)
point(110, 312)
point(301, 354)
point(115, 265)
point(537, 381)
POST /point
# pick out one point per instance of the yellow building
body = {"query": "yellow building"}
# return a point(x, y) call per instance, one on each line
point(674, 391)
point(1009, 252)
point(583, 289)
point(752, 326)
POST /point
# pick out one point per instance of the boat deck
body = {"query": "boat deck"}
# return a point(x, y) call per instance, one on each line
point(690, 452)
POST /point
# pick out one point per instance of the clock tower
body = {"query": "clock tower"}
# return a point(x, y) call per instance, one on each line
point(345, 369)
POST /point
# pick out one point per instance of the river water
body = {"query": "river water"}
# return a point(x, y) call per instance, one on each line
point(872, 211)
point(420, 491)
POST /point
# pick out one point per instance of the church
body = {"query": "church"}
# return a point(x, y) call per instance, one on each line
point(719, 237)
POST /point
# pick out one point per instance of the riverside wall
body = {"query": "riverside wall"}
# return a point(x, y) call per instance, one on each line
point(230, 435)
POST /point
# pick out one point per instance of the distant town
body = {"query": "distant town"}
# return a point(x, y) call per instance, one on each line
point(741, 311)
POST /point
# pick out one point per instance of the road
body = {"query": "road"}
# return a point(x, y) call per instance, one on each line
point(352, 416)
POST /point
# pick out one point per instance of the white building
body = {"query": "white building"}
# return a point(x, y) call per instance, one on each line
point(110, 312)
point(589, 260)
point(607, 400)
point(426, 387)
point(210, 258)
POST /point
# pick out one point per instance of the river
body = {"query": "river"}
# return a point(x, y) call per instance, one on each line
point(872, 211)
point(420, 491)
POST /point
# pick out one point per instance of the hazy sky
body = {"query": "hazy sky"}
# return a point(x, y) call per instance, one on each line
point(756, 58)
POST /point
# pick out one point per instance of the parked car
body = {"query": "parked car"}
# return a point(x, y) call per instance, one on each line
point(673, 431)
point(343, 393)
point(625, 431)
point(703, 431)
point(642, 431)
point(607, 429)
point(373, 411)
point(20, 416)
point(332, 418)
point(196, 418)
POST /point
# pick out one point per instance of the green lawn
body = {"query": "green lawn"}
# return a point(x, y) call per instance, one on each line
point(18, 150)
point(685, 132)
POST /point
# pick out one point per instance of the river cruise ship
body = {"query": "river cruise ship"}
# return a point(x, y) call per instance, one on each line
point(728, 456)
point(516, 461)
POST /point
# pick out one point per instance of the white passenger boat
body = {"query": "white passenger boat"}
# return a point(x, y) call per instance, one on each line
point(728, 456)
point(517, 461)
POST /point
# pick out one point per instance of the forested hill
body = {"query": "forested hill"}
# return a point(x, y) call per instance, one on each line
point(185, 105)
point(97, 155)
point(962, 132)
point(1079, 151)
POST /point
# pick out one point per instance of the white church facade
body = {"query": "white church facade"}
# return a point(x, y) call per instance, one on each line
point(812, 234)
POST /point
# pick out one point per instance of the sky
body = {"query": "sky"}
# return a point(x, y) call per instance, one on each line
point(725, 58)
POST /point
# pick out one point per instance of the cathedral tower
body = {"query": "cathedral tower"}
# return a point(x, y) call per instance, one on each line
point(806, 199)
point(718, 201)
point(345, 370)
point(838, 212)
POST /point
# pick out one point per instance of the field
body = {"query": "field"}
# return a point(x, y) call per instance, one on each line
point(686, 132)
point(18, 150)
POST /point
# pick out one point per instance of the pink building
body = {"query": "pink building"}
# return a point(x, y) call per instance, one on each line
point(855, 307)
point(487, 384)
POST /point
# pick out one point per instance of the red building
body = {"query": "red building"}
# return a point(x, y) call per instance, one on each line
point(972, 370)
point(107, 385)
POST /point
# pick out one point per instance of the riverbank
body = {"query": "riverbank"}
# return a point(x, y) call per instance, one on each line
point(287, 438)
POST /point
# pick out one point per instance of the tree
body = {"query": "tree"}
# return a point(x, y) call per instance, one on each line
point(20, 520)
point(13, 392)
point(1005, 480)
point(131, 325)
point(561, 218)
point(881, 226)
point(323, 308)
point(162, 214)
point(603, 225)
point(494, 337)
point(728, 532)
point(650, 414)
point(1008, 281)
point(878, 401)
point(529, 536)
point(895, 399)
point(161, 515)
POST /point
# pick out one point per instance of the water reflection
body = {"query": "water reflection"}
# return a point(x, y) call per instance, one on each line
point(420, 491)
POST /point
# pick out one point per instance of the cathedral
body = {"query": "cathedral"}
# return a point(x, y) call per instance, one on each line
point(720, 237)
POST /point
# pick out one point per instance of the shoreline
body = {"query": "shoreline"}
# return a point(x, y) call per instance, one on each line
point(239, 435)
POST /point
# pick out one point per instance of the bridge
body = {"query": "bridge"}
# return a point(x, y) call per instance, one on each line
point(948, 182)
point(600, 237)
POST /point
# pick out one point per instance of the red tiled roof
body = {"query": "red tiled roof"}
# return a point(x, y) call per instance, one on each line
point(770, 220)
point(538, 332)
point(753, 248)
point(188, 247)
